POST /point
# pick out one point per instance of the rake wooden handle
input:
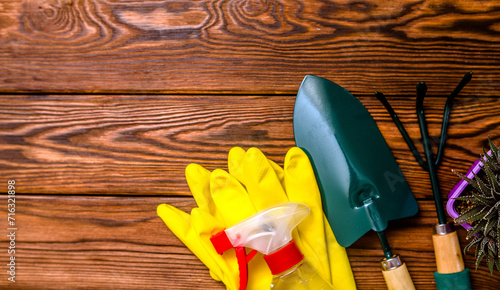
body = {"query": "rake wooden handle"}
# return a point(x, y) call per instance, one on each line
point(448, 253)
point(398, 278)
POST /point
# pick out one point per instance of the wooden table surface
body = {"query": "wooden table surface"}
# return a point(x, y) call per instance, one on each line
point(103, 103)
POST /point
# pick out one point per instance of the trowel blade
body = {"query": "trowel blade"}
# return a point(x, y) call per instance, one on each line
point(361, 184)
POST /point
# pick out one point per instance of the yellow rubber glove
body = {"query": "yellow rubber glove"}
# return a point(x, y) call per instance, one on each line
point(217, 194)
point(195, 230)
point(223, 201)
point(267, 184)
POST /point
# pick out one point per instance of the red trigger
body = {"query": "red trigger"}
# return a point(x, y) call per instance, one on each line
point(242, 264)
point(221, 244)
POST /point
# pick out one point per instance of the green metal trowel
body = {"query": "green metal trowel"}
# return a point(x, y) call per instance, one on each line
point(361, 184)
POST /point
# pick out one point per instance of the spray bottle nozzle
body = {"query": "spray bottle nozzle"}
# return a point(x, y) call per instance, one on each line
point(267, 232)
point(269, 229)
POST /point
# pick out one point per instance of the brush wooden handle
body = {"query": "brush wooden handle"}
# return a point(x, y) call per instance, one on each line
point(398, 279)
point(448, 253)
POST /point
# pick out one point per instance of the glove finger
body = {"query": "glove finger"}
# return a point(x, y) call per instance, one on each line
point(280, 173)
point(230, 198)
point(181, 225)
point(235, 161)
point(340, 268)
point(176, 220)
point(261, 181)
point(301, 181)
point(259, 275)
point(302, 187)
point(223, 266)
point(198, 180)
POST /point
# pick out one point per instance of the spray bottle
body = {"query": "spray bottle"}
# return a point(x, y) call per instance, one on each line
point(270, 232)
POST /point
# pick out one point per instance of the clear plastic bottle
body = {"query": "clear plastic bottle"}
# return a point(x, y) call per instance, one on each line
point(270, 232)
point(300, 277)
point(291, 271)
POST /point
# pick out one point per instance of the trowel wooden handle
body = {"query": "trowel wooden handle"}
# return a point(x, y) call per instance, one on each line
point(448, 253)
point(398, 279)
point(396, 274)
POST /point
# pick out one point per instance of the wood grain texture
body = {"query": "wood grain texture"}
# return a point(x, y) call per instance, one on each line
point(103, 103)
point(100, 243)
point(117, 242)
point(448, 253)
point(62, 144)
point(398, 278)
point(132, 144)
point(251, 46)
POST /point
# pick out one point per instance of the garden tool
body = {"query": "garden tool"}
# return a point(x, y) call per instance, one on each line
point(361, 184)
point(270, 232)
point(224, 201)
point(451, 272)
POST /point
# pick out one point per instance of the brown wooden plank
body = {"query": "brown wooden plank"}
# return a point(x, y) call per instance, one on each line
point(132, 144)
point(249, 46)
point(99, 243)
point(141, 144)
point(118, 242)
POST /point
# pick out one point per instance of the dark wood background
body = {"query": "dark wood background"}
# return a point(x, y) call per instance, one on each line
point(104, 103)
